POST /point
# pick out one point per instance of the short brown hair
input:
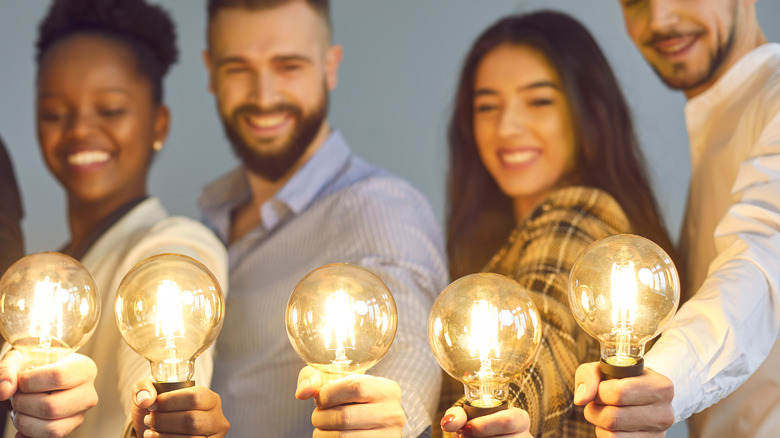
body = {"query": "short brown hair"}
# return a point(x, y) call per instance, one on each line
point(321, 7)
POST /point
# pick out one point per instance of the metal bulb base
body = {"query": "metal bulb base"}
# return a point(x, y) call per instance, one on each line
point(162, 387)
point(620, 371)
point(476, 411)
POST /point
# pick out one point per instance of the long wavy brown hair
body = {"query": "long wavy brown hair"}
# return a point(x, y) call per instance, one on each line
point(480, 216)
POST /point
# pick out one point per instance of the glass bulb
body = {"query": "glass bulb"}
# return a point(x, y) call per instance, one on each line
point(49, 307)
point(341, 319)
point(169, 308)
point(484, 330)
point(623, 291)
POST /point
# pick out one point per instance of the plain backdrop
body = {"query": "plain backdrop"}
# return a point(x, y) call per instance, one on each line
point(392, 103)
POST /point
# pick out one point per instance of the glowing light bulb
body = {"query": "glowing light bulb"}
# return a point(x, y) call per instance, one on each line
point(169, 308)
point(49, 307)
point(623, 291)
point(341, 319)
point(484, 331)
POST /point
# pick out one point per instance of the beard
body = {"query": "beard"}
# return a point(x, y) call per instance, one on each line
point(681, 77)
point(273, 166)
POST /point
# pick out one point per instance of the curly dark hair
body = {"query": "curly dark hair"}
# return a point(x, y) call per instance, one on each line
point(146, 29)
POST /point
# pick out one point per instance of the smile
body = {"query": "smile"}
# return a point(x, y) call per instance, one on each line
point(87, 158)
point(267, 121)
point(518, 157)
point(677, 46)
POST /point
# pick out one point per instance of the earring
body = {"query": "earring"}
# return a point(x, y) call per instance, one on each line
point(157, 146)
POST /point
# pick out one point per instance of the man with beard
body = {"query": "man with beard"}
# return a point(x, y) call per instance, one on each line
point(716, 53)
point(300, 200)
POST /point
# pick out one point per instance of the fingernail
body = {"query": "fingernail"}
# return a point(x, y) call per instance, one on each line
point(148, 420)
point(446, 419)
point(579, 393)
point(5, 386)
point(142, 396)
point(148, 433)
point(467, 430)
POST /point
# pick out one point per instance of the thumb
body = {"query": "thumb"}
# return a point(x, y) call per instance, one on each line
point(9, 368)
point(586, 383)
point(309, 382)
point(144, 394)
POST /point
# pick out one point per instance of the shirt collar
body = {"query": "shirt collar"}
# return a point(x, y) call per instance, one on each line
point(221, 196)
point(301, 190)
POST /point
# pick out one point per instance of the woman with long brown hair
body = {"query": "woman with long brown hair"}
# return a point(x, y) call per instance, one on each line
point(544, 160)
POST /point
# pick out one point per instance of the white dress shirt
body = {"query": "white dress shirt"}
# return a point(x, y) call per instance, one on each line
point(144, 231)
point(731, 238)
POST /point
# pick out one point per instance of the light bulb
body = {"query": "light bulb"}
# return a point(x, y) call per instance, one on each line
point(49, 307)
point(341, 320)
point(623, 291)
point(169, 308)
point(484, 331)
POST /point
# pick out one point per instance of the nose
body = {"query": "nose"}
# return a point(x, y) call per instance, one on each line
point(512, 121)
point(265, 91)
point(80, 125)
point(663, 14)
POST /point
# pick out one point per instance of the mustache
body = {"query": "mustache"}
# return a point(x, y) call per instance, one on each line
point(658, 37)
point(251, 109)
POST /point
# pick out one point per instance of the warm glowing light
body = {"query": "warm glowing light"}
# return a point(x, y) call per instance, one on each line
point(339, 325)
point(170, 311)
point(43, 314)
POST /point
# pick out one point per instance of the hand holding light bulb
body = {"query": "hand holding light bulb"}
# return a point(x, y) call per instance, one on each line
point(624, 290)
point(169, 308)
point(484, 330)
point(48, 308)
point(341, 319)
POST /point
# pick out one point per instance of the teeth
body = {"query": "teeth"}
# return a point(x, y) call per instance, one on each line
point(518, 157)
point(267, 121)
point(87, 157)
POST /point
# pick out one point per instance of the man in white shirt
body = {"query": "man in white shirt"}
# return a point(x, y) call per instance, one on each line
point(716, 53)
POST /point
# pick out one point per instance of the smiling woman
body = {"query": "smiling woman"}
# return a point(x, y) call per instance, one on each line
point(543, 162)
point(100, 122)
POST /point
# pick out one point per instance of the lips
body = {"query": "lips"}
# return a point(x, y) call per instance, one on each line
point(674, 47)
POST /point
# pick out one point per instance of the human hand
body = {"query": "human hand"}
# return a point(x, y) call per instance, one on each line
point(48, 401)
point(357, 402)
point(630, 407)
point(511, 423)
point(194, 411)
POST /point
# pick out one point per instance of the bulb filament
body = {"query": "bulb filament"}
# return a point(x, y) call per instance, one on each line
point(340, 328)
point(169, 324)
point(483, 343)
point(623, 294)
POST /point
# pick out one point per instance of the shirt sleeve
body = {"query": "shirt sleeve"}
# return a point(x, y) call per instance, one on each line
point(400, 241)
point(173, 235)
point(726, 330)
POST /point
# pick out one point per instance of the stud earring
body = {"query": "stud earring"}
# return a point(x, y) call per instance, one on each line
point(157, 146)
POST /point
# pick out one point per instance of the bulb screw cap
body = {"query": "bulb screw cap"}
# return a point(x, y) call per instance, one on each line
point(172, 386)
point(477, 411)
point(620, 371)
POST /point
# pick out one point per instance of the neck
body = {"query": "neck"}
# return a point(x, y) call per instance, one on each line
point(85, 217)
point(524, 206)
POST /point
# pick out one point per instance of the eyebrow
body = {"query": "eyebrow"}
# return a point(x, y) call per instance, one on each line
point(279, 58)
point(48, 94)
point(533, 85)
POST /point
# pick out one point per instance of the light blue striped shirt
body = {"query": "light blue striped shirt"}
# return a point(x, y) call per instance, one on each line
point(336, 208)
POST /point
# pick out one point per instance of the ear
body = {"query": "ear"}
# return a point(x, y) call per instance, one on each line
point(162, 122)
point(332, 62)
point(209, 68)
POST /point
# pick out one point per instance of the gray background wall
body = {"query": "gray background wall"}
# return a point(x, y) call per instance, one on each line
point(392, 104)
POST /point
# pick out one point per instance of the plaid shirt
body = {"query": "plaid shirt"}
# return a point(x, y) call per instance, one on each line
point(539, 255)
